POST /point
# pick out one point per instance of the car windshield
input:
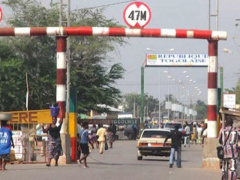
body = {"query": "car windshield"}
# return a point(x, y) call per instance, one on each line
point(172, 126)
point(155, 134)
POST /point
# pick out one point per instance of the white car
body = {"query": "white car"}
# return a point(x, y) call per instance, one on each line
point(151, 143)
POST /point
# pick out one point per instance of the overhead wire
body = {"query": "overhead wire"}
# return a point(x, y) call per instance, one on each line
point(105, 5)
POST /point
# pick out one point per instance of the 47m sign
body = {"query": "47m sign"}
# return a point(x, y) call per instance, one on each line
point(137, 15)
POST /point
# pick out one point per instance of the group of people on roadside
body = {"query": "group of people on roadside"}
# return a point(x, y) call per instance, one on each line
point(54, 145)
point(228, 138)
point(97, 136)
point(176, 137)
point(198, 133)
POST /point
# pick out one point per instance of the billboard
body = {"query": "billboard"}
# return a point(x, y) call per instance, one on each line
point(31, 117)
point(178, 60)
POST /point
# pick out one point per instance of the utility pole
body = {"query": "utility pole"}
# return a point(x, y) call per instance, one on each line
point(142, 97)
point(64, 21)
point(134, 109)
point(221, 85)
point(216, 14)
point(159, 102)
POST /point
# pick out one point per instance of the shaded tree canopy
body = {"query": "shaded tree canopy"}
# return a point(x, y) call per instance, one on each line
point(93, 78)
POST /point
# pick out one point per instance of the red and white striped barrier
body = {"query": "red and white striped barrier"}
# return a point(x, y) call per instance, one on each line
point(107, 31)
point(63, 32)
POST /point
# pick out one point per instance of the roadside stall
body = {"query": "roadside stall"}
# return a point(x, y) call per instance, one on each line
point(235, 114)
point(30, 142)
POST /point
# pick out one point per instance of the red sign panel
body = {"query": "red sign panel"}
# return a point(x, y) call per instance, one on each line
point(137, 15)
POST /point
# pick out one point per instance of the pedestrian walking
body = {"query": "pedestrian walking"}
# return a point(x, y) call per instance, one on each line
point(54, 140)
point(228, 137)
point(110, 134)
point(199, 134)
point(5, 145)
point(204, 133)
point(176, 137)
point(94, 135)
point(114, 131)
point(101, 134)
point(187, 132)
point(79, 128)
point(134, 129)
point(194, 134)
point(146, 126)
point(84, 140)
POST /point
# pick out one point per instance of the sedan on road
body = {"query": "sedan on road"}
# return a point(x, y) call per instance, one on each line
point(151, 143)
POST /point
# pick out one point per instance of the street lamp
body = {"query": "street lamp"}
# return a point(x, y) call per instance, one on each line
point(226, 50)
point(149, 49)
point(168, 92)
point(175, 79)
point(170, 50)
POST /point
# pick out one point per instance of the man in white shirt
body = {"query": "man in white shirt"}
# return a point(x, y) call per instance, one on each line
point(199, 134)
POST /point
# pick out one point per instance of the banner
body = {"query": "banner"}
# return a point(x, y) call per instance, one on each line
point(31, 117)
point(178, 60)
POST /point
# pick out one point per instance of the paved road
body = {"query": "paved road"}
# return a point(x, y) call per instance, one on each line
point(119, 163)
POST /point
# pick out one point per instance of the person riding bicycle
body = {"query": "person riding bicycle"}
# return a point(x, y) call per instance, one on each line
point(229, 139)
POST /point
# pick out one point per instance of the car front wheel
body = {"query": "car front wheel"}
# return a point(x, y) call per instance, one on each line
point(139, 158)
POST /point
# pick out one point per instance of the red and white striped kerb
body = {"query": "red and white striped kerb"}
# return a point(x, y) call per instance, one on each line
point(107, 31)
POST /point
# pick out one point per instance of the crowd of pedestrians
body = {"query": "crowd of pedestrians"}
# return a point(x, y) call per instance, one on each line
point(197, 131)
point(98, 135)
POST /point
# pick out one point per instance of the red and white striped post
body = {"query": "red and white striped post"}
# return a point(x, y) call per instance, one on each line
point(61, 77)
point(212, 88)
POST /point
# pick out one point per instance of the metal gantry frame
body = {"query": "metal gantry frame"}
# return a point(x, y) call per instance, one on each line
point(61, 33)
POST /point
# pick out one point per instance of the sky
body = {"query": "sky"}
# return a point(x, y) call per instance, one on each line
point(172, 14)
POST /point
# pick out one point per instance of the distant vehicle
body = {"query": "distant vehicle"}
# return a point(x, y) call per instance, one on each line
point(128, 131)
point(171, 126)
point(151, 143)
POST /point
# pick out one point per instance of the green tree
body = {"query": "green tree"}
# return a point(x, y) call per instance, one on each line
point(11, 78)
point(201, 109)
point(92, 77)
point(235, 90)
point(131, 99)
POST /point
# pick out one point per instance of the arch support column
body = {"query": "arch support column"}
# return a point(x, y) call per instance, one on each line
point(212, 88)
point(61, 97)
